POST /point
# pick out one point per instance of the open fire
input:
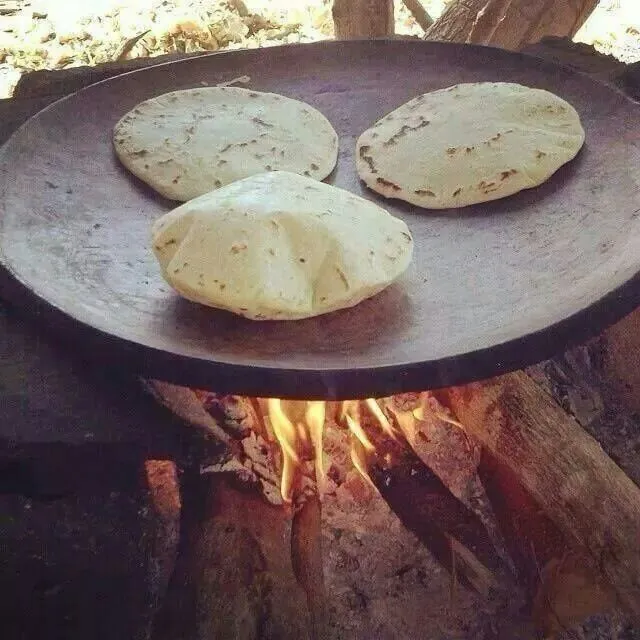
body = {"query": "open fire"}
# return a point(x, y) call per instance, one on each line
point(295, 433)
point(369, 500)
point(399, 472)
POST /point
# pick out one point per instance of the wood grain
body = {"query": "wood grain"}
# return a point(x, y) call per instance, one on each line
point(564, 469)
point(510, 24)
point(362, 18)
point(234, 578)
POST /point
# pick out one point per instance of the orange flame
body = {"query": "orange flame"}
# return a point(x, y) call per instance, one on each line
point(406, 421)
point(298, 428)
point(382, 419)
point(315, 418)
point(287, 436)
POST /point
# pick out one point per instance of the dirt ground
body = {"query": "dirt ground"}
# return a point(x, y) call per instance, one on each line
point(56, 34)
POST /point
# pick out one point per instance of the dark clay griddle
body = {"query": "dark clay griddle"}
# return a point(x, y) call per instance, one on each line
point(491, 287)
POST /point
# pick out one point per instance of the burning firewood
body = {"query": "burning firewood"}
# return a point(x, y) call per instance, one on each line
point(425, 464)
point(306, 557)
point(292, 432)
point(451, 530)
point(252, 460)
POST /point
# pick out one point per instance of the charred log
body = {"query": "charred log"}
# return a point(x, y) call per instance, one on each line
point(451, 531)
point(445, 526)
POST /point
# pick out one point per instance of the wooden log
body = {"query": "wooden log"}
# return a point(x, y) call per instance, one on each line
point(562, 586)
point(451, 531)
point(234, 578)
point(164, 494)
point(363, 18)
point(569, 592)
point(565, 470)
point(184, 403)
point(306, 558)
point(531, 538)
point(510, 24)
point(557, 582)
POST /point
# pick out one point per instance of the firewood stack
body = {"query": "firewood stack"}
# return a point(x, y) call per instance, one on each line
point(517, 502)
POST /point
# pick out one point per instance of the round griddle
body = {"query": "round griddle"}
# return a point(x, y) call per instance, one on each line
point(491, 287)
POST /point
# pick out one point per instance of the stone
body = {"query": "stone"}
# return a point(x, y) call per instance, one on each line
point(82, 558)
point(51, 396)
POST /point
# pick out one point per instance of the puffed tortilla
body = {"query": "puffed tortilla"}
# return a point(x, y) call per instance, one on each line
point(279, 246)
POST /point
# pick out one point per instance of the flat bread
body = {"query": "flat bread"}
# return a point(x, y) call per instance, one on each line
point(186, 143)
point(279, 246)
point(469, 143)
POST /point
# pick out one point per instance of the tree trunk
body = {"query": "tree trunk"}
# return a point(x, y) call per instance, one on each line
point(363, 18)
point(510, 24)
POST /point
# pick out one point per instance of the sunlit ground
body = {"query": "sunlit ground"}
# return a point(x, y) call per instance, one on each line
point(56, 34)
